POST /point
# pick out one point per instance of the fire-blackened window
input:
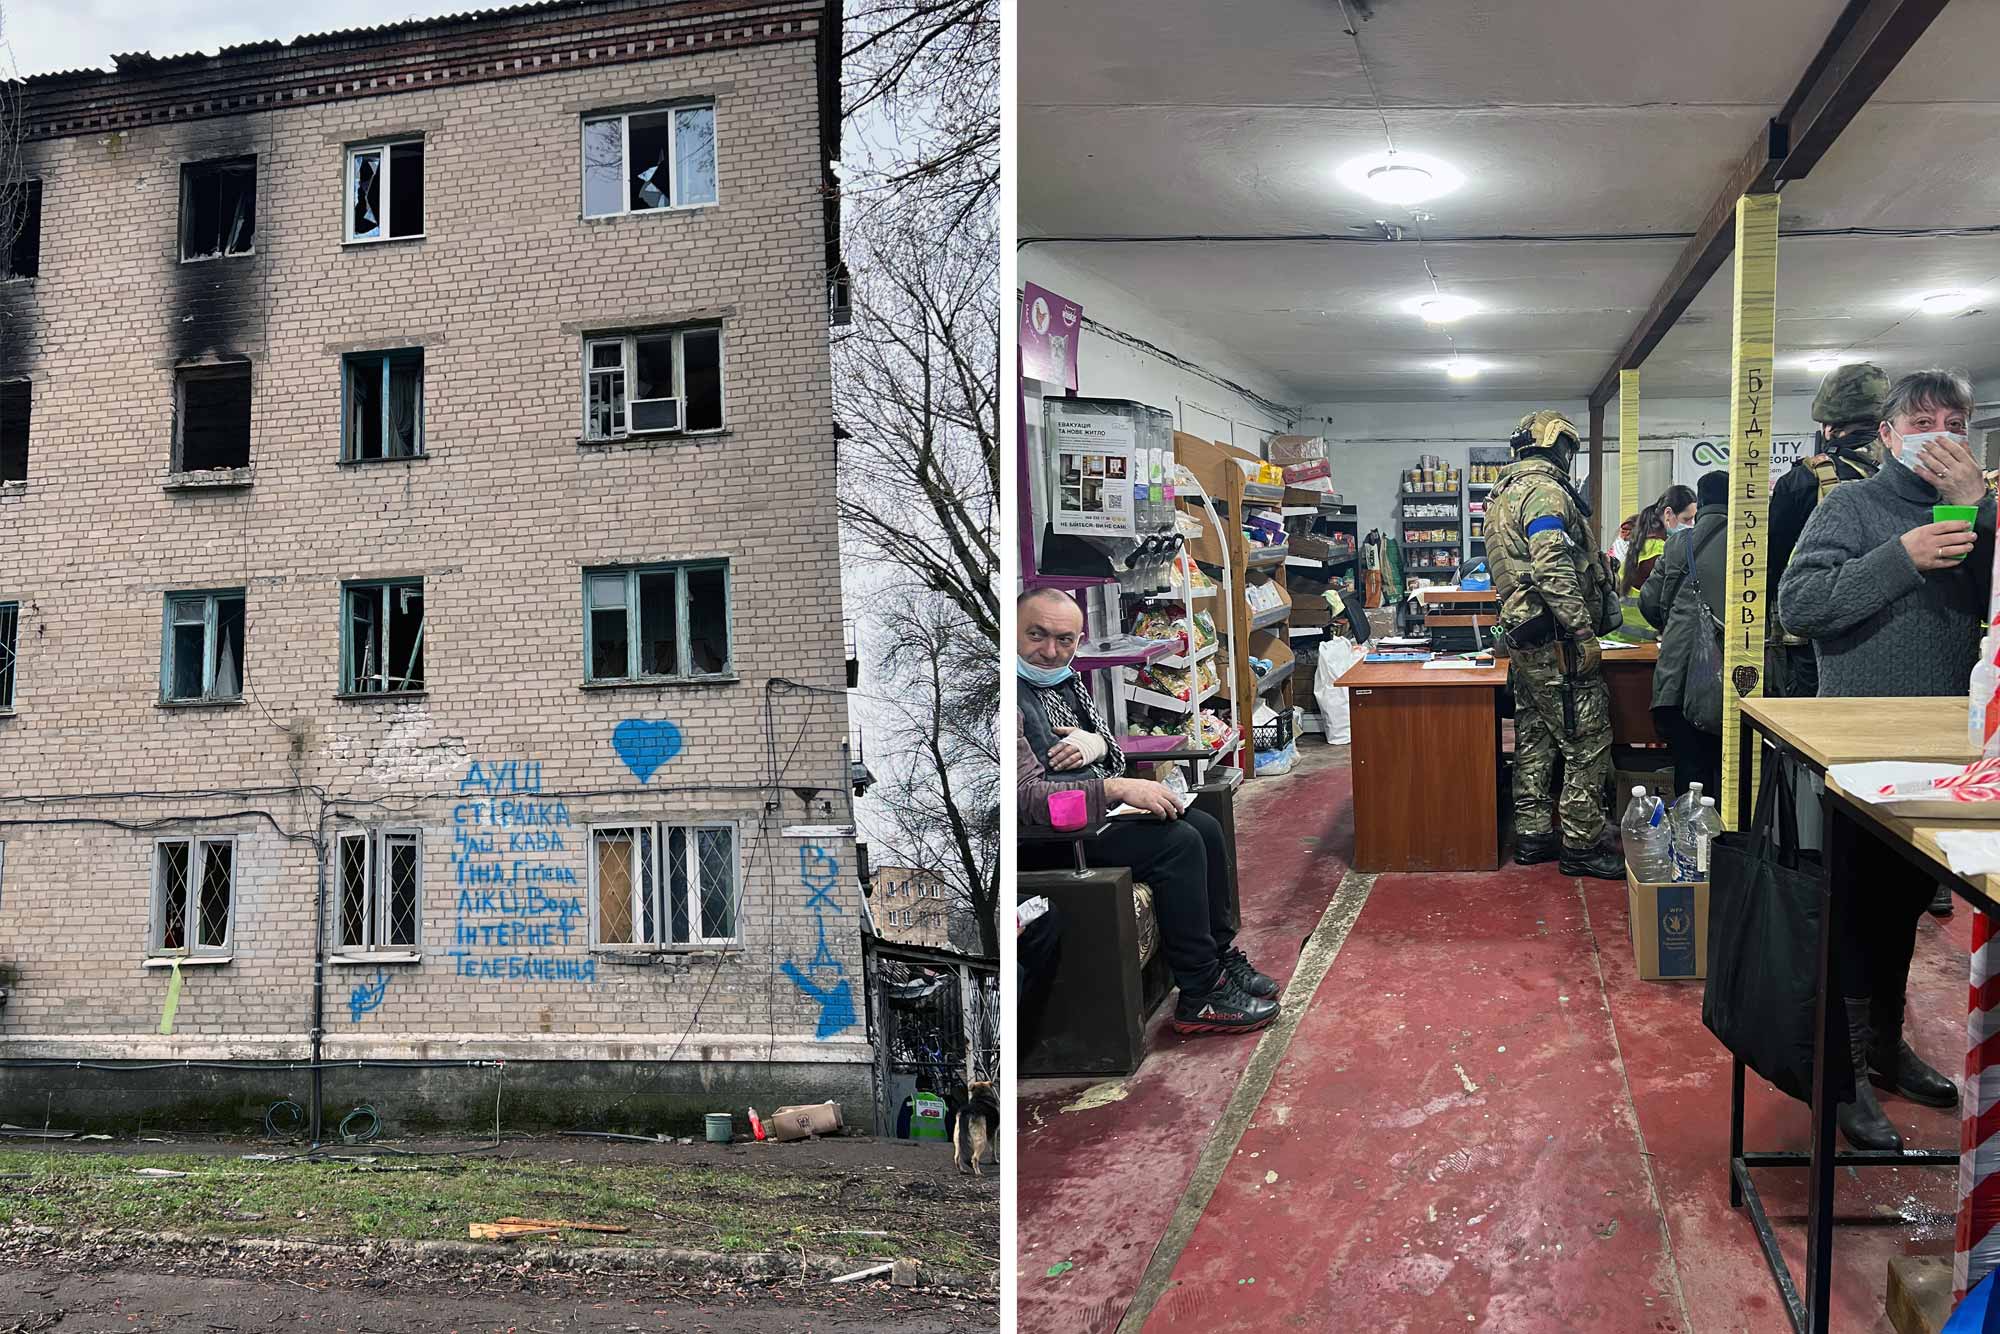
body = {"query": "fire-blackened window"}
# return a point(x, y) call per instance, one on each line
point(212, 418)
point(17, 400)
point(21, 231)
point(218, 208)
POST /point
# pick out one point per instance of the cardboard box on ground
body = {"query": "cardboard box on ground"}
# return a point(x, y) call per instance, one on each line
point(1669, 927)
point(790, 1123)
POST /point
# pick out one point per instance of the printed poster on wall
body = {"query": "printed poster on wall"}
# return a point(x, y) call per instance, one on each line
point(1090, 483)
point(1049, 328)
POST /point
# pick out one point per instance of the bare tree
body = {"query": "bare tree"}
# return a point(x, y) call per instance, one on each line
point(931, 68)
point(13, 128)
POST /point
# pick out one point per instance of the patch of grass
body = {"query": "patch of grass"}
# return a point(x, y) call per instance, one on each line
point(681, 1207)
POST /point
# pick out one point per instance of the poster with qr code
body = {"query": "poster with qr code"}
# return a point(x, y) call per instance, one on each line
point(1091, 486)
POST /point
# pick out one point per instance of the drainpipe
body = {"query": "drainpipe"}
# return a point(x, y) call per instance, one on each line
point(319, 976)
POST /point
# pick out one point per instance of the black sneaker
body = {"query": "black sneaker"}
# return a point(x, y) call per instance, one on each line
point(1601, 862)
point(1941, 904)
point(1236, 964)
point(1534, 849)
point(1227, 1009)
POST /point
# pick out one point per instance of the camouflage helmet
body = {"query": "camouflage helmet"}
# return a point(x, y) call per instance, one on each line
point(1542, 430)
point(1851, 393)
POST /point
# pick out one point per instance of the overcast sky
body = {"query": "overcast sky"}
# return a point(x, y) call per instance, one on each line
point(49, 35)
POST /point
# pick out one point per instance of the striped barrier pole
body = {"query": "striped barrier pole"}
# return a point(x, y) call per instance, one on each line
point(1978, 1246)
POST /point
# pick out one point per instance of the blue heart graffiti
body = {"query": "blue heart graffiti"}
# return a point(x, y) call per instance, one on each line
point(645, 745)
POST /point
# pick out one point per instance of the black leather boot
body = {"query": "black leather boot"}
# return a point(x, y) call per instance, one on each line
point(1602, 862)
point(1862, 1121)
point(1534, 849)
point(1894, 1065)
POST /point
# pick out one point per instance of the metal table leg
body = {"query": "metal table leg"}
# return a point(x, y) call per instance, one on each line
point(1829, 1041)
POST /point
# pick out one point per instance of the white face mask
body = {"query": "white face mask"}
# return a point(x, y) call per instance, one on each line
point(1910, 448)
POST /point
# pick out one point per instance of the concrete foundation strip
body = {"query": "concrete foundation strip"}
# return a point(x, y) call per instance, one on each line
point(1321, 949)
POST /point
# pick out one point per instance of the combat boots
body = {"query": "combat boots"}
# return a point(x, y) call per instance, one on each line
point(1599, 861)
point(1862, 1120)
point(1534, 849)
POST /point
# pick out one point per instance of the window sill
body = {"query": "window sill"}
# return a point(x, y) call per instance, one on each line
point(9, 278)
point(656, 440)
point(675, 683)
point(370, 243)
point(219, 479)
point(376, 463)
point(236, 703)
point(190, 960)
point(381, 696)
point(670, 211)
point(374, 957)
point(210, 259)
point(636, 952)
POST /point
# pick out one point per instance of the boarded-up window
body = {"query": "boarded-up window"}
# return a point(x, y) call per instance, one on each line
point(664, 885)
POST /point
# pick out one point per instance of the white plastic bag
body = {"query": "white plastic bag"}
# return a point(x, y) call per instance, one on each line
point(1336, 655)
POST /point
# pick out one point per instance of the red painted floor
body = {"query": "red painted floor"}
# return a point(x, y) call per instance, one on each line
point(1097, 1187)
point(1485, 1121)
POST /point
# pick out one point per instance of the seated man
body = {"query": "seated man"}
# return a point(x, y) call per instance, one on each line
point(1062, 743)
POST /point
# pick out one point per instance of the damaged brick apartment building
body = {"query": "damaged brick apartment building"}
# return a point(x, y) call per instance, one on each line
point(420, 630)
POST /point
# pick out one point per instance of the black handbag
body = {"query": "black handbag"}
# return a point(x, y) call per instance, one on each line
point(1764, 909)
point(1701, 687)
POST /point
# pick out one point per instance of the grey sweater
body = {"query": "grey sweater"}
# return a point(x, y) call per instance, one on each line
point(1879, 626)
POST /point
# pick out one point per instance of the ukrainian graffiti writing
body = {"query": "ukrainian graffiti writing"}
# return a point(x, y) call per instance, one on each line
point(645, 745)
point(518, 914)
point(824, 979)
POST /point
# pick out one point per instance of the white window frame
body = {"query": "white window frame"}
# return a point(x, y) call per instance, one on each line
point(627, 357)
point(382, 146)
point(375, 909)
point(211, 620)
point(156, 929)
point(624, 119)
point(663, 916)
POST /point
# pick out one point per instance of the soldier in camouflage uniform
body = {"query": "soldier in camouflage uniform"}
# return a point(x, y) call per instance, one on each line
point(1848, 408)
point(1556, 597)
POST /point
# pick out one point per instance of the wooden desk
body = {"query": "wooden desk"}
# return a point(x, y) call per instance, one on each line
point(1820, 733)
point(1628, 678)
point(1426, 766)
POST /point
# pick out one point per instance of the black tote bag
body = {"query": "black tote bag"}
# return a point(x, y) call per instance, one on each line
point(1763, 936)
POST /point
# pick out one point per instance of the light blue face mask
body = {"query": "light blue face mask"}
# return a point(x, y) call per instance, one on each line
point(1910, 449)
point(1041, 676)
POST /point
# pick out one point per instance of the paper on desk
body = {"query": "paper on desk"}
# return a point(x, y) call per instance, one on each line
point(1864, 782)
point(1970, 851)
point(1440, 664)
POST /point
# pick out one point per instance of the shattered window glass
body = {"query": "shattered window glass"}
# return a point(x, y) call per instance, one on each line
point(604, 389)
point(659, 624)
point(17, 399)
point(382, 634)
point(604, 166)
point(650, 140)
point(406, 189)
point(204, 650)
point(677, 614)
point(675, 383)
point(218, 208)
point(21, 229)
point(365, 195)
point(708, 620)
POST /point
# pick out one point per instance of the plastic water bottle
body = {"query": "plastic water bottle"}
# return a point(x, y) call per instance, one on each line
point(1648, 841)
point(1679, 820)
point(1700, 833)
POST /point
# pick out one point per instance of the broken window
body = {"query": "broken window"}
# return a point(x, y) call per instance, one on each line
point(194, 895)
point(212, 417)
point(385, 405)
point(10, 624)
point(659, 886)
point(382, 638)
point(17, 401)
point(381, 877)
point(657, 623)
point(385, 191)
point(21, 233)
point(218, 208)
point(659, 383)
point(202, 659)
point(647, 160)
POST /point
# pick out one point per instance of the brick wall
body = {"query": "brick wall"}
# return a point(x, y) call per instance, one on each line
point(499, 519)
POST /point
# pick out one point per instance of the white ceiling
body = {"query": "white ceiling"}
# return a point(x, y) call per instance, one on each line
point(1597, 118)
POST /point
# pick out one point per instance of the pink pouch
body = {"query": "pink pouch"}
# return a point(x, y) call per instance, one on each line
point(1069, 809)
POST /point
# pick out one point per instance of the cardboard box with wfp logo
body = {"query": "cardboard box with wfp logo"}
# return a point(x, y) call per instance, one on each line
point(1669, 927)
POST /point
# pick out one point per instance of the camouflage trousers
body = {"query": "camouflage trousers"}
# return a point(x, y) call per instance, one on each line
point(1541, 741)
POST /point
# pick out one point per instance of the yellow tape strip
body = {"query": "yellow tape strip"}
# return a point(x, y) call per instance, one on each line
point(1743, 610)
point(1628, 448)
point(173, 1002)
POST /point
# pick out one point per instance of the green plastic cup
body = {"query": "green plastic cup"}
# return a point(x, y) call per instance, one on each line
point(1954, 513)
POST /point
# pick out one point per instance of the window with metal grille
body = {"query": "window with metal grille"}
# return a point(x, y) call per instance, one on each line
point(657, 623)
point(380, 890)
point(663, 886)
point(382, 405)
point(382, 637)
point(194, 895)
point(641, 161)
point(385, 191)
point(201, 655)
point(10, 625)
point(667, 382)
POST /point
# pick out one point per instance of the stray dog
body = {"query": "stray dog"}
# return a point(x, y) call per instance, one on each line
point(972, 1119)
